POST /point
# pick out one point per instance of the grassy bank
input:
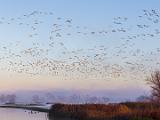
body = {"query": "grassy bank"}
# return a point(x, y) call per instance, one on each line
point(121, 111)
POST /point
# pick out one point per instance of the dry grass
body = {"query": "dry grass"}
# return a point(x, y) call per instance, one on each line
point(122, 111)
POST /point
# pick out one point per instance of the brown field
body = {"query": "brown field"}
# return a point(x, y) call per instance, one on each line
point(121, 111)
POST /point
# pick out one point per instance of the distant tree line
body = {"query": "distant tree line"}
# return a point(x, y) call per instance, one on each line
point(11, 98)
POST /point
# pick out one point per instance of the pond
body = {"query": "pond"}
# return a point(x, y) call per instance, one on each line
point(20, 114)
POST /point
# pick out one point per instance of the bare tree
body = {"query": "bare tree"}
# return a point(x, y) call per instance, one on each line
point(2, 98)
point(37, 99)
point(154, 82)
point(11, 98)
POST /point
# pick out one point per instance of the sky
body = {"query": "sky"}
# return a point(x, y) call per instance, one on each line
point(89, 15)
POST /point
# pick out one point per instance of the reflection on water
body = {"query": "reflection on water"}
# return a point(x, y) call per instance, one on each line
point(19, 114)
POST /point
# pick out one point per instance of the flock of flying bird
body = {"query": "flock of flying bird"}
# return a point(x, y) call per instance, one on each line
point(104, 61)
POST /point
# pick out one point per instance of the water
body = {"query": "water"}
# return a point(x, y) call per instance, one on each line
point(19, 114)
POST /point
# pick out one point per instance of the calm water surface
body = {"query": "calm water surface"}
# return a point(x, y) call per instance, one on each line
point(19, 114)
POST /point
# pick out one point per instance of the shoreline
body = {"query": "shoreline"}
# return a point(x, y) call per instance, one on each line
point(119, 111)
point(33, 108)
